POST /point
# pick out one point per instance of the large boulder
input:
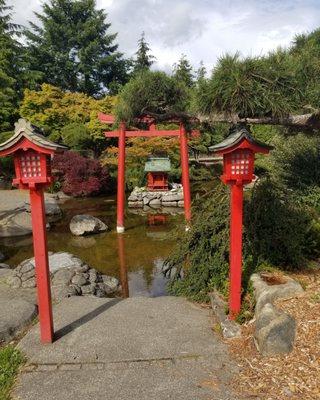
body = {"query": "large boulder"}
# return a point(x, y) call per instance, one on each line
point(274, 329)
point(86, 224)
point(70, 276)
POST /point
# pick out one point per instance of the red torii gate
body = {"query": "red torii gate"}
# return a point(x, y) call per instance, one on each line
point(122, 134)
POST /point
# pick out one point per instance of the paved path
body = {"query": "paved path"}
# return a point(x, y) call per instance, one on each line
point(135, 349)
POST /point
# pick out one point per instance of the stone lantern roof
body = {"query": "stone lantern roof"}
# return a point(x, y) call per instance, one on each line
point(158, 164)
point(25, 130)
point(238, 134)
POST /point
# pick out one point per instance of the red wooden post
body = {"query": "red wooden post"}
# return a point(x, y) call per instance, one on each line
point(123, 267)
point(42, 264)
point(185, 172)
point(235, 249)
point(121, 178)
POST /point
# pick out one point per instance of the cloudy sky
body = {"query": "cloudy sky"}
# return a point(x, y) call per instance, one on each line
point(200, 29)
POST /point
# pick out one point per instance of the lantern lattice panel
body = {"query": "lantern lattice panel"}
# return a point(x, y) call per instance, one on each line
point(30, 165)
point(240, 163)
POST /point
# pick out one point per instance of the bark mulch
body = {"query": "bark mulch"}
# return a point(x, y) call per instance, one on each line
point(292, 376)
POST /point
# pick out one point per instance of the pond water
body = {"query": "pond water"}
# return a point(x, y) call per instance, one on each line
point(136, 256)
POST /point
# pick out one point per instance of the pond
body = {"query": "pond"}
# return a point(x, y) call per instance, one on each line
point(137, 255)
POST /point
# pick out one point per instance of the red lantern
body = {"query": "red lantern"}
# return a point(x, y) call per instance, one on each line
point(238, 152)
point(32, 154)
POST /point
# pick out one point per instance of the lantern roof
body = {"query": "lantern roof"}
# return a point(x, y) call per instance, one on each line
point(158, 164)
point(24, 130)
point(238, 135)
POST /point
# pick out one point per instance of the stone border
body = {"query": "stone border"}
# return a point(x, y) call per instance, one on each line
point(229, 329)
point(142, 197)
point(274, 329)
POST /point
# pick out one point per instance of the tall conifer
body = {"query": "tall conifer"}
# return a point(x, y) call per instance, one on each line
point(72, 48)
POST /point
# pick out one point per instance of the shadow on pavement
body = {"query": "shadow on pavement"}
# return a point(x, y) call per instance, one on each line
point(83, 320)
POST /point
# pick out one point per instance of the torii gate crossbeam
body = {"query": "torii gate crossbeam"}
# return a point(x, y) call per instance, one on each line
point(122, 134)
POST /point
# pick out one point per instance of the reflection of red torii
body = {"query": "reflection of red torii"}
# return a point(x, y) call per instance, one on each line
point(122, 134)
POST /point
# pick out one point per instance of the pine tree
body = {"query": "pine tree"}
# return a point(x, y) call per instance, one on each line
point(72, 49)
point(182, 71)
point(144, 59)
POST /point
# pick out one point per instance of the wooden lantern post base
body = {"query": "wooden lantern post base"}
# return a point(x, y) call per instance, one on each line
point(41, 264)
point(235, 250)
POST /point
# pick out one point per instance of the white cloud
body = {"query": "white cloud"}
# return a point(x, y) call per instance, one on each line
point(201, 29)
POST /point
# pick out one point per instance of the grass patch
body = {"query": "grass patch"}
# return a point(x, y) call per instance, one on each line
point(10, 361)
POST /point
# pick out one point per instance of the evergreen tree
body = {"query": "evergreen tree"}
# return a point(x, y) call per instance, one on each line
point(144, 59)
point(72, 49)
point(183, 71)
point(10, 54)
point(201, 72)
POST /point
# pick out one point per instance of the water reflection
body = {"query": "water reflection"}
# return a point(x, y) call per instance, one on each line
point(135, 257)
point(157, 219)
point(123, 272)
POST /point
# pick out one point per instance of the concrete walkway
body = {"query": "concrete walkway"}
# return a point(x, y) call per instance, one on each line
point(135, 349)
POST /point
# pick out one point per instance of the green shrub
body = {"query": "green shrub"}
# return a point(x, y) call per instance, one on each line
point(200, 261)
point(277, 232)
point(277, 227)
point(296, 161)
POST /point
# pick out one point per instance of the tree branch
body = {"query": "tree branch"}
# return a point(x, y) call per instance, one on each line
point(303, 121)
point(311, 120)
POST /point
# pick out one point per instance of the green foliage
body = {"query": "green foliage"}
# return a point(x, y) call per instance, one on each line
point(201, 72)
point(201, 256)
point(67, 116)
point(296, 161)
point(76, 136)
point(70, 47)
point(309, 197)
point(8, 80)
point(153, 92)
point(144, 59)
point(183, 71)
point(6, 168)
point(10, 361)
point(283, 82)
point(250, 86)
point(305, 51)
point(278, 229)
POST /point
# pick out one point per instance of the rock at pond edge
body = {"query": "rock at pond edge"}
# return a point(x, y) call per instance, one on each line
point(86, 224)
